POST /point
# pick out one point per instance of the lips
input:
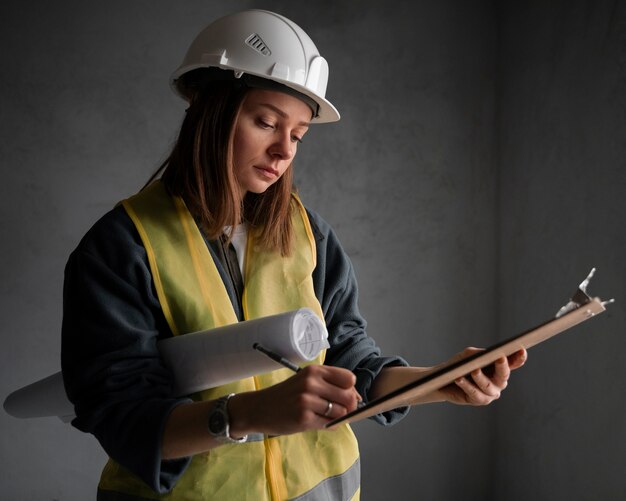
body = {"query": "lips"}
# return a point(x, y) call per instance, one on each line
point(267, 171)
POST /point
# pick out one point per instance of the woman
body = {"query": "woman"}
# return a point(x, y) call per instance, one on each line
point(220, 238)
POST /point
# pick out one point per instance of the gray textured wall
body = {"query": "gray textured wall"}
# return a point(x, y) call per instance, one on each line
point(563, 210)
point(446, 137)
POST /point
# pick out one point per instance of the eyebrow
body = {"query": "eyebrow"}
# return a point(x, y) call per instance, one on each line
point(280, 112)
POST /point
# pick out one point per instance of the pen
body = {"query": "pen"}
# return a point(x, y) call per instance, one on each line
point(290, 365)
point(276, 357)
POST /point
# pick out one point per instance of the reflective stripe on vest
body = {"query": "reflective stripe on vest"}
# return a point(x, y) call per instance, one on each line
point(193, 297)
point(345, 486)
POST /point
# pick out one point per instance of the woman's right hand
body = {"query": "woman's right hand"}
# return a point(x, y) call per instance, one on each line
point(297, 404)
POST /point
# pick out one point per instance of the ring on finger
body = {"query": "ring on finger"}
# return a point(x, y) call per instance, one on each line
point(329, 409)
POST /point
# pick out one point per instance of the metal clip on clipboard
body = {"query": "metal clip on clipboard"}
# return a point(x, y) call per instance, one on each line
point(580, 297)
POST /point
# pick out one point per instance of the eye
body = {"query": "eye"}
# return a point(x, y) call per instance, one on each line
point(297, 135)
point(264, 124)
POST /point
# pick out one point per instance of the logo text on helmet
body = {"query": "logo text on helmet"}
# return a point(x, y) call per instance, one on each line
point(257, 43)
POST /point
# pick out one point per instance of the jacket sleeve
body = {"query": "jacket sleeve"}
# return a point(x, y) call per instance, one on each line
point(113, 374)
point(350, 346)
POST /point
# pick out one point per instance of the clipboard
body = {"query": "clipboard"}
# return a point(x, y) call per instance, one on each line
point(580, 308)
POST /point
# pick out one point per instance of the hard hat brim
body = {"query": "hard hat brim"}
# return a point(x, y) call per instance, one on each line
point(326, 112)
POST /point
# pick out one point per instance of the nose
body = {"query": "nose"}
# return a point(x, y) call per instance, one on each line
point(283, 147)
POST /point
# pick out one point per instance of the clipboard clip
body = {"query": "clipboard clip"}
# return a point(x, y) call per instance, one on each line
point(580, 297)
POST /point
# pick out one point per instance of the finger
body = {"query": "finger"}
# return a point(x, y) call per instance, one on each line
point(518, 359)
point(473, 395)
point(487, 385)
point(327, 375)
point(337, 376)
point(346, 399)
point(331, 410)
point(358, 397)
point(316, 382)
point(466, 353)
point(328, 410)
point(338, 387)
point(501, 373)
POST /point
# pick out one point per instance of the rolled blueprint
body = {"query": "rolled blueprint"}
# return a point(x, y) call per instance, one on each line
point(200, 360)
point(218, 356)
point(43, 398)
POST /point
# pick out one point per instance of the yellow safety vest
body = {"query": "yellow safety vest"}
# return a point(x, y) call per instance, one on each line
point(305, 466)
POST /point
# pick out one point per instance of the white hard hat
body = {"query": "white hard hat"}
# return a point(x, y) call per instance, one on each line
point(262, 44)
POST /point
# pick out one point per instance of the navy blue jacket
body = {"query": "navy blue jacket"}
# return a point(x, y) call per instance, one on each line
point(112, 320)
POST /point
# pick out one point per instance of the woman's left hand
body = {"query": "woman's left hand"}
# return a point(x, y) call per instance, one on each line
point(483, 386)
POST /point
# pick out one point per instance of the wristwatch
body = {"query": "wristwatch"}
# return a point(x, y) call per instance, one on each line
point(219, 422)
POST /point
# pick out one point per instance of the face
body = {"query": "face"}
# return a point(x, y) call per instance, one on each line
point(269, 127)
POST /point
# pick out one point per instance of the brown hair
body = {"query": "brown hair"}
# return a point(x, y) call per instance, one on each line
point(200, 170)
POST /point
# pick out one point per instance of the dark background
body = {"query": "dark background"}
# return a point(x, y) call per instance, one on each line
point(477, 175)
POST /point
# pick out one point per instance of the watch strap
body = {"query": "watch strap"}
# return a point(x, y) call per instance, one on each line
point(223, 435)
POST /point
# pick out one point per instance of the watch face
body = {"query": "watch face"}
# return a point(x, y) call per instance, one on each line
point(217, 423)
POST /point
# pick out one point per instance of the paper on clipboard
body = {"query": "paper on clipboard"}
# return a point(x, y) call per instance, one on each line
point(580, 308)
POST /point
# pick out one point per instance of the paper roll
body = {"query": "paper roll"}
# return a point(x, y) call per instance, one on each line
point(200, 360)
point(211, 358)
point(43, 398)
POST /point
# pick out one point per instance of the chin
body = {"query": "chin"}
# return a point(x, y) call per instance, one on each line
point(258, 189)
